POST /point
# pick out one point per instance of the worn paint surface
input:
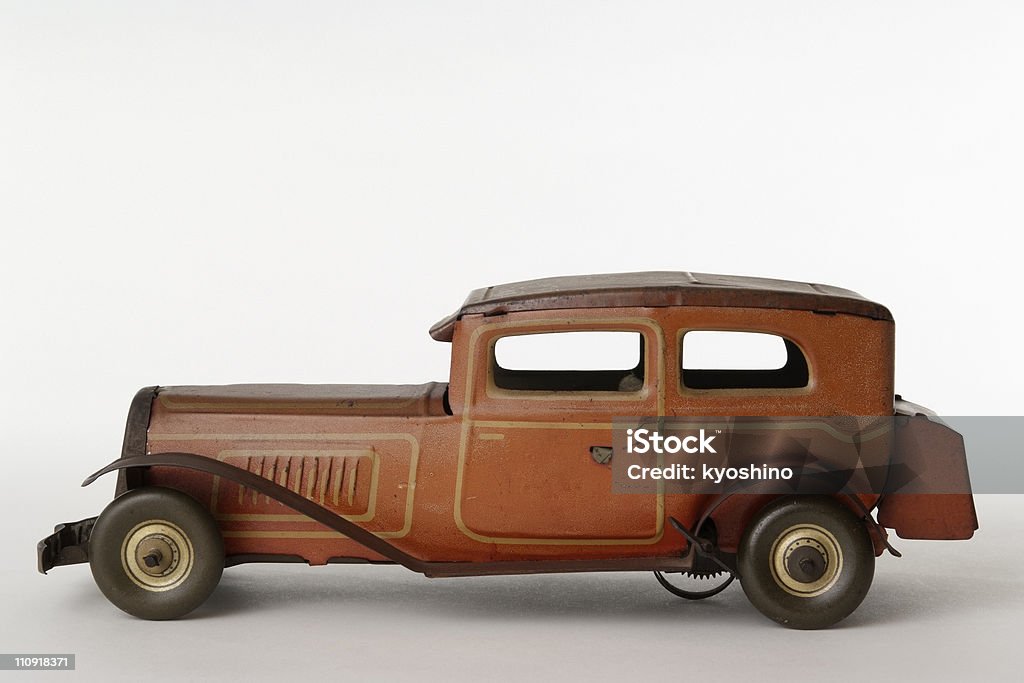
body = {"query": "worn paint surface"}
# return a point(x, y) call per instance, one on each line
point(466, 471)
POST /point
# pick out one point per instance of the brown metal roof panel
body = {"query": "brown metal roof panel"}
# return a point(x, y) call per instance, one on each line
point(660, 288)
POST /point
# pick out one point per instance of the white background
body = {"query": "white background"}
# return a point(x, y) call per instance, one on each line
point(230, 192)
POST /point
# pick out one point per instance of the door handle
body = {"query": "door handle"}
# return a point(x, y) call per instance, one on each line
point(602, 455)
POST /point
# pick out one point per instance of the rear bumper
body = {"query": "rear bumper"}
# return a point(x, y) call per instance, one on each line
point(937, 503)
point(68, 544)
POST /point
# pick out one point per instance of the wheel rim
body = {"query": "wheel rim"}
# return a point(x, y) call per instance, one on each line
point(157, 555)
point(806, 560)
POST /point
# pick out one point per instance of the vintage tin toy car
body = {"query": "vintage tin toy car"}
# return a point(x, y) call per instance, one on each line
point(504, 470)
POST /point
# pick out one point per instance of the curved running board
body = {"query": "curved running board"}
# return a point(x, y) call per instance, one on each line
point(286, 496)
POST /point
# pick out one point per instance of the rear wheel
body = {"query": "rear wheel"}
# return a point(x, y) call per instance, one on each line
point(156, 553)
point(806, 562)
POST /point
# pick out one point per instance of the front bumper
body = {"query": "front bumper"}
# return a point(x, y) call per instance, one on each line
point(68, 544)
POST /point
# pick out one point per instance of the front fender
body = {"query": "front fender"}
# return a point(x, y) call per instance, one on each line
point(286, 496)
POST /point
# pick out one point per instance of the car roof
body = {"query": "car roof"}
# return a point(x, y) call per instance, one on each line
point(658, 289)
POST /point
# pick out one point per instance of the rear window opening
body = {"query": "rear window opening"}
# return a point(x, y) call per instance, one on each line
point(726, 359)
point(569, 361)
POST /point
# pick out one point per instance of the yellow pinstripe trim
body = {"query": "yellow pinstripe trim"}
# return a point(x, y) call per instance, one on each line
point(414, 456)
point(468, 423)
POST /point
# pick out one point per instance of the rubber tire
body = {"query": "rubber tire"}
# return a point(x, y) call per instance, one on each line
point(820, 611)
point(133, 508)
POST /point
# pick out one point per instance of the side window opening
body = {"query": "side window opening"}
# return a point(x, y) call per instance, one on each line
point(577, 361)
point(725, 359)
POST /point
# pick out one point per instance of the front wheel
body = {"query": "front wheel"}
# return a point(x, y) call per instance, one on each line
point(806, 562)
point(156, 553)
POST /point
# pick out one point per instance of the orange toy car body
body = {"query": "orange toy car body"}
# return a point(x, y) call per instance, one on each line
point(494, 472)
